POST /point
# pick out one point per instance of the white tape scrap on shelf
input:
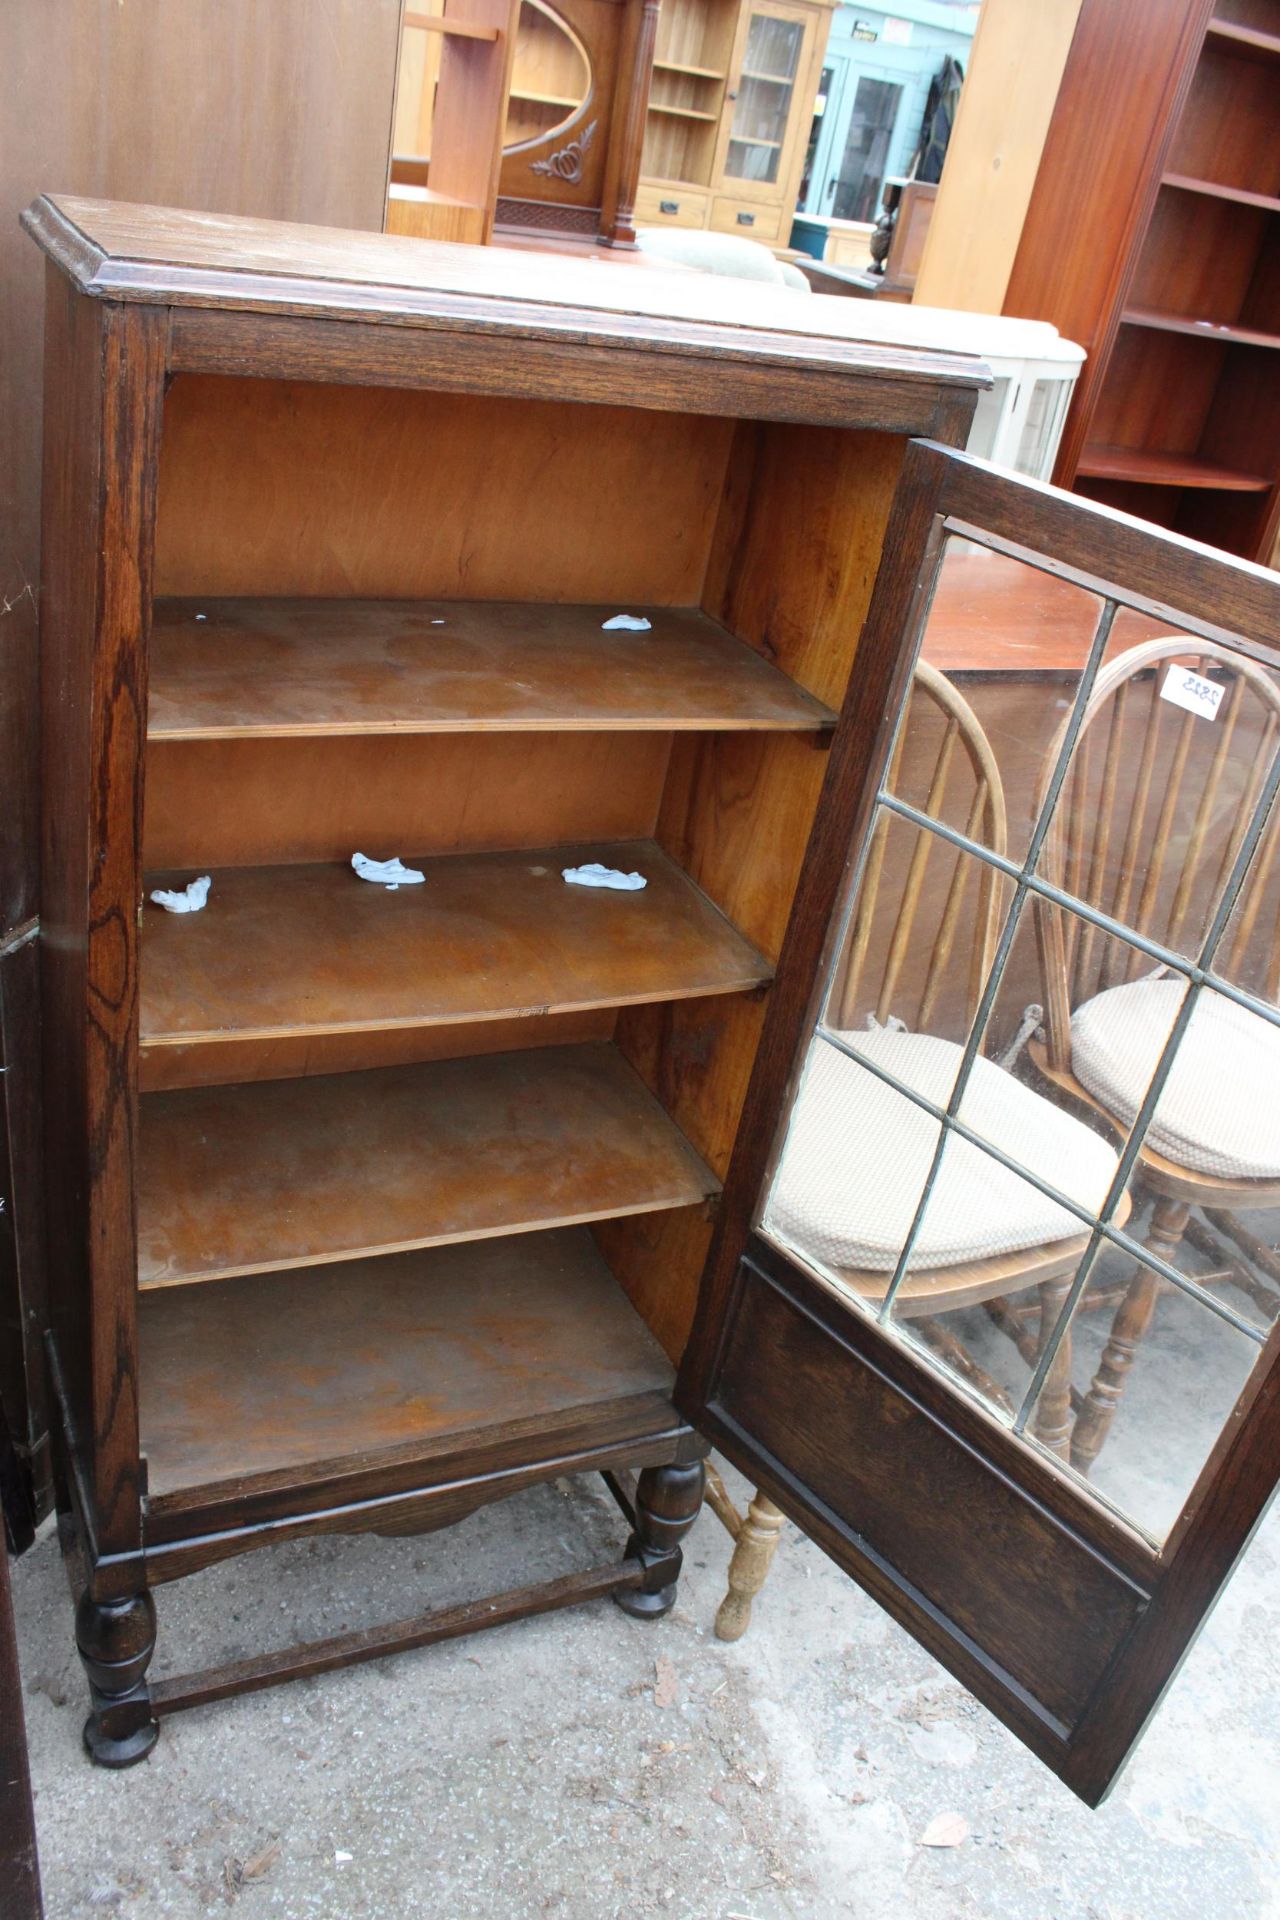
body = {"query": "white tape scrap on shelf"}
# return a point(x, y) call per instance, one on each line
point(387, 873)
point(190, 900)
point(626, 623)
point(594, 875)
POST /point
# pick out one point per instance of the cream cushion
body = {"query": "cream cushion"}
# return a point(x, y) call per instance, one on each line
point(1219, 1112)
point(857, 1156)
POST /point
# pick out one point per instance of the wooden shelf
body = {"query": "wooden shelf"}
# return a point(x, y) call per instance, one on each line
point(774, 79)
point(1241, 195)
point(680, 113)
point(225, 669)
point(1158, 469)
point(311, 949)
point(747, 140)
point(1245, 39)
point(1229, 333)
point(398, 1357)
point(545, 99)
point(697, 73)
point(287, 1173)
point(458, 29)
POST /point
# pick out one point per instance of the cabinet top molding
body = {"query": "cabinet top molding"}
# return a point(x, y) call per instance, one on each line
point(169, 257)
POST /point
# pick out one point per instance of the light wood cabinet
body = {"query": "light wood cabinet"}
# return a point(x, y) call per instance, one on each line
point(729, 112)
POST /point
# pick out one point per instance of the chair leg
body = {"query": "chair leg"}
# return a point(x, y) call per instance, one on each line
point(756, 1544)
point(1128, 1330)
point(1052, 1423)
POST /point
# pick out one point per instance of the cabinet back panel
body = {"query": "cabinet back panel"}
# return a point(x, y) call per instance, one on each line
point(227, 1062)
point(274, 487)
point(243, 803)
point(1226, 133)
point(1158, 392)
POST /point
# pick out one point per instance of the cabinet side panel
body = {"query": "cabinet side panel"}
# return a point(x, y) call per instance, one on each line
point(792, 567)
point(104, 378)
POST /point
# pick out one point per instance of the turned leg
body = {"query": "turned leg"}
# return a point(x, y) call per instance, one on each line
point(1052, 1423)
point(755, 1545)
point(116, 1639)
point(667, 1504)
point(1128, 1330)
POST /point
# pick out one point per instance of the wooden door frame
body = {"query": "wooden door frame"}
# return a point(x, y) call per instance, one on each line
point(1171, 1589)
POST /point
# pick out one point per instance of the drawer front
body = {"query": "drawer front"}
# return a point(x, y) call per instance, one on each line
point(670, 207)
point(751, 223)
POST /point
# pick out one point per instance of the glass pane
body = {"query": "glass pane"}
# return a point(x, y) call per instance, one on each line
point(765, 87)
point(1145, 1381)
point(1038, 445)
point(986, 419)
point(1042, 885)
point(1215, 1126)
point(1248, 955)
point(866, 152)
point(825, 85)
point(1012, 641)
point(922, 938)
point(1167, 770)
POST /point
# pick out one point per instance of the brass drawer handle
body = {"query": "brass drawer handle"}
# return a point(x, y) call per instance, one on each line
point(668, 206)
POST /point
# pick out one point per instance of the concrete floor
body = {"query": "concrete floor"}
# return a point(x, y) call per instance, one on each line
point(585, 1765)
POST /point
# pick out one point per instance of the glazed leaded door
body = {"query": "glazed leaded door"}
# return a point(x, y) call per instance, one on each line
point(992, 1305)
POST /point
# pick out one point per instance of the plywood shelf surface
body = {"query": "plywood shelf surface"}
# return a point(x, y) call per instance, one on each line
point(280, 951)
point(275, 1373)
point(1156, 469)
point(285, 1173)
point(1227, 332)
point(226, 669)
point(1245, 198)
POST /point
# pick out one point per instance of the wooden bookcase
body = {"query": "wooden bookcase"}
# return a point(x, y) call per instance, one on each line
point(1153, 238)
point(371, 1206)
point(729, 113)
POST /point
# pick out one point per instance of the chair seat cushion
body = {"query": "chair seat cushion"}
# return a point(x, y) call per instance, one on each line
point(1219, 1112)
point(858, 1154)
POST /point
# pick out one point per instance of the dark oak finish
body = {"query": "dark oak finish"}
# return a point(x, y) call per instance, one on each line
point(400, 1392)
point(284, 1173)
point(1122, 1616)
point(402, 1636)
point(104, 370)
point(314, 949)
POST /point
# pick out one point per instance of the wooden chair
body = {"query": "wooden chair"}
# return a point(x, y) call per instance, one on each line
point(1149, 831)
point(921, 920)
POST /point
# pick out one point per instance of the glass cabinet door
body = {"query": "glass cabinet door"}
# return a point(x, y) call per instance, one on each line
point(768, 112)
point(994, 1308)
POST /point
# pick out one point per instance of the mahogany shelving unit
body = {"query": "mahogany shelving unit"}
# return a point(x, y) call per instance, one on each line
point(1153, 237)
point(371, 1206)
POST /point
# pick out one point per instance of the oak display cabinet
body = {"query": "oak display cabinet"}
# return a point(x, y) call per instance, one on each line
point(730, 108)
point(370, 1206)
